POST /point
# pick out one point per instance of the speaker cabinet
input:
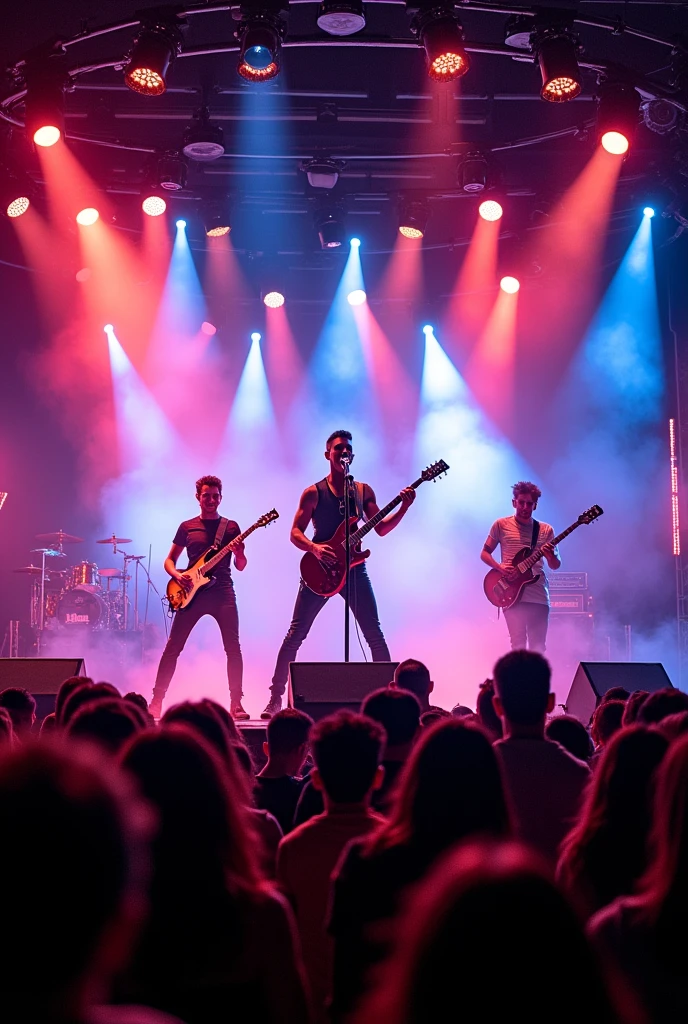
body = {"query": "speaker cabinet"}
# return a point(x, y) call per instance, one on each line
point(41, 677)
point(322, 687)
point(594, 678)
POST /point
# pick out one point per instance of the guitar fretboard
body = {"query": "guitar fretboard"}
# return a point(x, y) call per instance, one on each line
point(360, 533)
point(223, 552)
point(536, 554)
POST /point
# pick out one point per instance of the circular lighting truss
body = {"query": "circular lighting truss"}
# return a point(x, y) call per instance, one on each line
point(556, 50)
point(440, 33)
point(341, 17)
point(153, 51)
point(260, 41)
point(153, 206)
point(490, 210)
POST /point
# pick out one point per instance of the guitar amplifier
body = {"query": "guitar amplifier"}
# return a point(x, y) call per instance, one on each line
point(568, 603)
point(568, 581)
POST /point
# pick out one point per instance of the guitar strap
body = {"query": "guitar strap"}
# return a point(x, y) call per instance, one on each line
point(359, 498)
point(220, 535)
point(536, 534)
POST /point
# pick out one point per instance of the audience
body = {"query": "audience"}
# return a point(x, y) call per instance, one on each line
point(615, 693)
point(217, 943)
point(414, 676)
point(83, 695)
point(485, 710)
point(451, 789)
point(278, 784)
point(544, 782)
point(674, 725)
point(605, 853)
point(647, 934)
point(661, 704)
point(347, 751)
point(633, 706)
point(6, 728)
point(49, 725)
point(65, 690)
point(606, 721)
point(108, 723)
point(570, 732)
point(488, 937)
point(21, 707)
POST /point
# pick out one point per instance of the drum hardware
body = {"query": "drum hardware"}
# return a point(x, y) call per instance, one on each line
point(82, 609)
point(44, 553)
point(33, 570)
point(84, 575)
point(58, 538)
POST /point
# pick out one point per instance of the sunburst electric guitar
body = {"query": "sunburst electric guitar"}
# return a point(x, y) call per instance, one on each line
point(327, 580)
point(201, 571)
point(504, 593)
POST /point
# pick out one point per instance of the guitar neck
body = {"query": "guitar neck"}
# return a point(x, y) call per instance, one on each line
point(536, 554)
point(223, 552)
point(360, 533)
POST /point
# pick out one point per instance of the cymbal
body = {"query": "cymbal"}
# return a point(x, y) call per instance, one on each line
point(33, 570)
point(111, 574)
point(48, 552)
point(59, 537)
point(115, 540)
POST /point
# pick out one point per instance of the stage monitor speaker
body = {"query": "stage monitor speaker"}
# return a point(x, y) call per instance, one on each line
point(594, 678)
point(41, 677)
point(322, 687)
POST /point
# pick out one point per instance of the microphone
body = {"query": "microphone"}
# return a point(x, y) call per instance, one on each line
point(347, 458)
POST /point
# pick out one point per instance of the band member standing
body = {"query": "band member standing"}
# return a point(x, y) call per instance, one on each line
point(526, 620)
point(217, 599)
point(323, 505)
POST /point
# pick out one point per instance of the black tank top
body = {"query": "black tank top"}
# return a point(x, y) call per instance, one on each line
point(329, 512)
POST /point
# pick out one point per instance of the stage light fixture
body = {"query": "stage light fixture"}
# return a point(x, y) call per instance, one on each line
point(357, 297)
point(413, 220)
point(153, 206)
point(440, 33)
point(617, 116)
point(556, 48)
point(255, 337)
point(216, 221)
point(428, 329)
point(661, 116)
point(181, 224)
point(108, 328)
point(203, 141)
point(208, 328)
point(44, 103)
point(330, 226)
point(154, 49)
point(172, 172)
point(15, 194)
point(490, 209)
point(260, 41)
point(321, 173)
point(273, 300)
point(473, 173)
point(648, 211)
point(509, 284)
point(341, 17)
point(16, 207)
point(87, 216)
point(355, 243)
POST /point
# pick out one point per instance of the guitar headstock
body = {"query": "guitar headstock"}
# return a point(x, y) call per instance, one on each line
point(590, 514)
point(432, 472)
point(268, 517)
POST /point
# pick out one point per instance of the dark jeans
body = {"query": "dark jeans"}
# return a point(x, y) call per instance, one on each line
point(308, 605)
point(527, 623)
point(219, 601)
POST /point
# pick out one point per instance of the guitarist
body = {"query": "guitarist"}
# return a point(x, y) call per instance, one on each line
point(322, 504)
point(217, 599)
point(526, 620)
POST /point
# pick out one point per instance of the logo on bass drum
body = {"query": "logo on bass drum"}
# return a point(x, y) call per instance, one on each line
point(73, 617)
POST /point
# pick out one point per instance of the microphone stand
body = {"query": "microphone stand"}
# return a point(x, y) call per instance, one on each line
point(348, 481)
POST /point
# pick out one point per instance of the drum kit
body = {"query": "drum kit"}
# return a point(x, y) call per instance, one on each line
point(83, 596)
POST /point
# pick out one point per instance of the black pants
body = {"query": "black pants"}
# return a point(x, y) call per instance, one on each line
point(308, 605)
point(527, 623)
point(219, 601)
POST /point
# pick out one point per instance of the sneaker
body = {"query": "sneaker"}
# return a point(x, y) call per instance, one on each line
point(273, 706)
point(238, 713)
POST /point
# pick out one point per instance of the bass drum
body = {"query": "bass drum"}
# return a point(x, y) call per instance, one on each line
point(81, 609)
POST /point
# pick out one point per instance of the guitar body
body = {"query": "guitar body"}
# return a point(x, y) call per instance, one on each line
point(503, 593)
point(180, 598)
point(328, 580)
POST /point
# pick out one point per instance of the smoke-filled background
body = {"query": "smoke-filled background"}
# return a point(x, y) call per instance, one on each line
point(568, 383)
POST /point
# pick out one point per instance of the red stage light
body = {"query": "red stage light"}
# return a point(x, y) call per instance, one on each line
point(273, 300)
point(83, 274)
point(490, 209)
point(208, 328)
point(47, 135)
point(18, 206)
point(87, 216)
point(510, 285)
point(615, 143)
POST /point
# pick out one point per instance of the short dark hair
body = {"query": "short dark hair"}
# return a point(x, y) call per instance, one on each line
point(208, 481)
point(615, 693)
point(84, 695)
point(570, 732)
point(633, 706)
point(527, 487)
point(485, 710)
point(659, 705)
point(6, 727)
point(288, 730)
point(397, 711)
point(606, 720)
point(347, 749)
point(16, 698)
point(522, 681)
point(67, 688)
point(335, 434)
point(107, 723)
point(413, 675)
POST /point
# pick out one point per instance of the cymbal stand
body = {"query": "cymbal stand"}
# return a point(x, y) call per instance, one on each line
point(137, 559)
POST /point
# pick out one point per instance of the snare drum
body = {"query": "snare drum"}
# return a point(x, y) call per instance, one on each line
point(84, 576)
point(81, 608)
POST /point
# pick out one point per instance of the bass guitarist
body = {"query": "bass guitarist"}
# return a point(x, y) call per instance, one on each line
point(219, 600)
point(323, 505)
point(526, 620)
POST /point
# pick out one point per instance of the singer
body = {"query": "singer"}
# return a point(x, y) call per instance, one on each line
point(323, 505)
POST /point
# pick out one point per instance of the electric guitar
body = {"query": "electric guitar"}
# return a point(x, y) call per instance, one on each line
point(504, 593)
point(327, 580)
point(200, 572)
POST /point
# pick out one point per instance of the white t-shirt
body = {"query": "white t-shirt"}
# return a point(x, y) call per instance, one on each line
point(513, 535)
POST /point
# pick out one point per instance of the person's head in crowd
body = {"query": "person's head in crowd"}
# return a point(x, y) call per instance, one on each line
point(661, 704)
point(674, 726)
point(414, 676)
point(21, 707)
point(522, 695)
point(49, 725)
point(633, 706)
point(74, 859)
point(485, 710)
point(607, 720)
point(435, 715)
point(450, 789)
point(67, 688)
point(286, 745)
point(140, 702)
point(398, 712)
point(462, 711)
point(570, 732)
point(615, 693)
point(107, 723)
point(83, 695)
point(202, 718)
point(230, 725)
point(347, 750)
point(605, 853)
point(492, 911)
point(6, 728)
